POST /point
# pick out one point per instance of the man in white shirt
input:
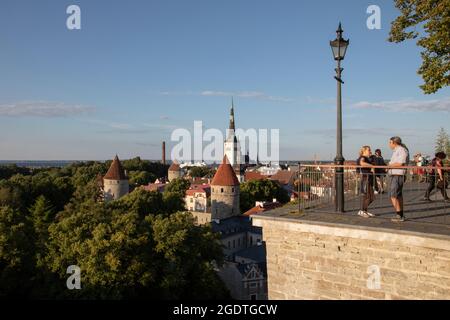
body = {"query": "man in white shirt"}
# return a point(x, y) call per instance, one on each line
point(400, 157)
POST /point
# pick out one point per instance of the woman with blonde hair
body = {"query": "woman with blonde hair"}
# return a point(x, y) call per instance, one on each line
point(364, 164)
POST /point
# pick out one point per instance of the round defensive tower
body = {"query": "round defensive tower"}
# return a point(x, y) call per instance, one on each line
point(174, 171)
point(224, 192)
point(115, 181)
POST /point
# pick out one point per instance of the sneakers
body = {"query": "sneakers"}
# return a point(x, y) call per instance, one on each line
point(398, 219)
point(370, 214)
point(363, 214)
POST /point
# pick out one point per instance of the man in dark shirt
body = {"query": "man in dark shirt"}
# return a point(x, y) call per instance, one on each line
point(380, 173)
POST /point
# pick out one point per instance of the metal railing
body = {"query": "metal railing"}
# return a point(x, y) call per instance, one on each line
point(317, 192)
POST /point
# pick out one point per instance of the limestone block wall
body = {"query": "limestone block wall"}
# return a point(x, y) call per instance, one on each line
point(173, 174)
point(115, 189)
point(201, 218)
point(224, 201)
point(314, 260)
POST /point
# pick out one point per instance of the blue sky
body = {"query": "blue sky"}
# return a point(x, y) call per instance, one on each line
point(139, 69)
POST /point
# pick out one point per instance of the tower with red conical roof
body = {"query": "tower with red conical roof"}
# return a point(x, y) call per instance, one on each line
point(224, 192)
point(174, 171)
point(115, 181)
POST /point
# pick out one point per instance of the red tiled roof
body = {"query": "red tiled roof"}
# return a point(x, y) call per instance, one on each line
point(199, 188)
point(199, 181)
point(174, 166)
point(115, 171)
point(253, 175)
point(283, 176)
point(258, 209)
point(225, 175)
point(155, 187)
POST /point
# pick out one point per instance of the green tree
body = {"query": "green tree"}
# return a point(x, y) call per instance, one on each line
point(189, 255)
point(125, 255)
point(173, 202)
point(112, 248)
point(157, 169)
point(9, 170)
point(141, 202)
point(42, 214)
point(16, 254)
point(261, 190)
point(200, 172)
point(140, 178)
point(442, 142)
point(433, 17)
point(179, 185)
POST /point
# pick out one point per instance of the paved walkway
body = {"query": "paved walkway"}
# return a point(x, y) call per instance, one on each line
point(421, 216)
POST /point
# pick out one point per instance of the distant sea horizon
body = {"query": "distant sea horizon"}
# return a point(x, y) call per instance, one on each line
point(64, 163)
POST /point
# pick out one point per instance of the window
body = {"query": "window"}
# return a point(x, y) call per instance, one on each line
point(229, 244)
point(192, 200)
point(239, 242)
point(234, 244)
point(251, 240)
point(253, 285)
point(221, 190)
point(232, 189)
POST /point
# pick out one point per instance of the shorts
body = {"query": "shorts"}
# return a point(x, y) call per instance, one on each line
point(365, 184)
point(396, 186)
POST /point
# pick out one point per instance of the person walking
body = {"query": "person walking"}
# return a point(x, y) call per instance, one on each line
point(437, 178)
point(400, 157)
point(364, 164)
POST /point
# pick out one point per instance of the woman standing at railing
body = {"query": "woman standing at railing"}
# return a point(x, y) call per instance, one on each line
point(366, 182)
point(439, 174)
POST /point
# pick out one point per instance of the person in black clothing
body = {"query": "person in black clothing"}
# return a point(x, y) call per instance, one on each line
point(366, 182)
point(380, 173)
point(437, 178)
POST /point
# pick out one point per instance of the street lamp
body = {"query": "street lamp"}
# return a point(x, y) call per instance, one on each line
point(339, 47)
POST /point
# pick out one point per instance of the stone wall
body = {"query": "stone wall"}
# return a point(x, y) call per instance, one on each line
point(316, 260)
point(201, 218)
point(173, 174)
point(224, 202)
point(115, 189)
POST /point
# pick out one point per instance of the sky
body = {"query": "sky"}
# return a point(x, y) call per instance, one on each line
point(137, 70)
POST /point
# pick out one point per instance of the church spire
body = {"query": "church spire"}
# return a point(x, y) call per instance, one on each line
point(232, 127)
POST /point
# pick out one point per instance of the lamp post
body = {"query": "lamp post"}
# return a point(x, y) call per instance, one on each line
point(339, 47)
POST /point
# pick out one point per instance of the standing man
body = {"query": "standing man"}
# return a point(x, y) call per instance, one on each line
point(379, 172)
point(400, 157)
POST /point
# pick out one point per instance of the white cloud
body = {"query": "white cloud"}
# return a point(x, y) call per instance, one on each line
point(357, 132)
point(437, 105)
point(120, 126)
point(43, 109)
point(246, 94)
point(240, 94)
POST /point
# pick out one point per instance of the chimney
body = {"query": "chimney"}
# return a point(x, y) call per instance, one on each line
point(164, 153)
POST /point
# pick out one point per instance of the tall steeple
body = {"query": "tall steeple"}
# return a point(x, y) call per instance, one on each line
point(231, 145)
point(232, 127)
